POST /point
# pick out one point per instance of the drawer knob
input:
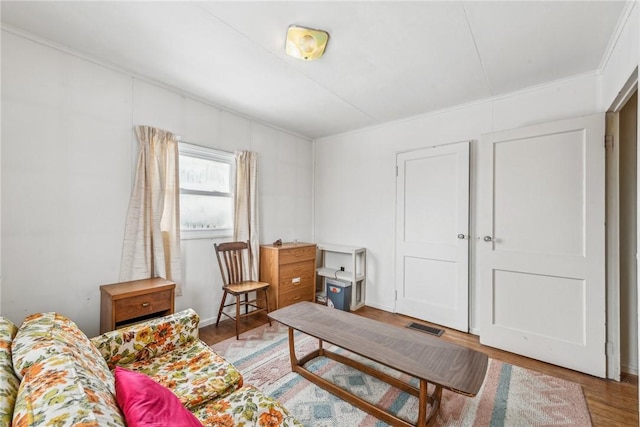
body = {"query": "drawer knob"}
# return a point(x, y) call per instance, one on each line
point(146, 304)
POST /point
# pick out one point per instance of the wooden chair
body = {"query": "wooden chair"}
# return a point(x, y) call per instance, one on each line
point(231, 260)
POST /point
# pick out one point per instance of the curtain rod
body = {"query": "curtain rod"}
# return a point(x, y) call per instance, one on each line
point(180, 140)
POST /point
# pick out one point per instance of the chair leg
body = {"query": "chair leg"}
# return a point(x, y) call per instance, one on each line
point(237, 317)
point(224, 298)
point(246, 303)
point(266, 300)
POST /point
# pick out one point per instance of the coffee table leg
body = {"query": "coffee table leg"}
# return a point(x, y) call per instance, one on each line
point(295, 361)
point(426, 418)
point(292, 351)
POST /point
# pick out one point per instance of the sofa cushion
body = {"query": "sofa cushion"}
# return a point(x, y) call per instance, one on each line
point(144, 402)
point(9, 381)
point(247, 406)
point(65, 380)
point(193, 372)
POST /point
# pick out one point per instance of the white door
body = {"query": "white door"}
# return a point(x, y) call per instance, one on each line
point(432, 243)
point(541, 243)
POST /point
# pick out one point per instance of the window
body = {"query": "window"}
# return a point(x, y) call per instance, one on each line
point(206, 192)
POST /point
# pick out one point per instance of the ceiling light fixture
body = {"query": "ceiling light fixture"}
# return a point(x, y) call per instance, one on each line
point(305, 43)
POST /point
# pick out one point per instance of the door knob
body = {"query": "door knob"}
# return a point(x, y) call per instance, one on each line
point(461, 236)
point(487, 238)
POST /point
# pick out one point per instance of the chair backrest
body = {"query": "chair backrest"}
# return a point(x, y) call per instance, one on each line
point(231, 259)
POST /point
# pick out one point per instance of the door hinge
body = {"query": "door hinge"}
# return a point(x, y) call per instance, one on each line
point(396, 296)
point(608, 142)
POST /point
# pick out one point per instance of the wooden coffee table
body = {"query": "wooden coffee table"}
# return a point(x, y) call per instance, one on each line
point(427, 358)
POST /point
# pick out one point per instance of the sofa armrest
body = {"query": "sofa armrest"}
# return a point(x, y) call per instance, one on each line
point(144, 341)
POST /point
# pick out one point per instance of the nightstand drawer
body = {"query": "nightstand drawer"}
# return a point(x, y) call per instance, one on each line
point(124, 303)
point(142, 305)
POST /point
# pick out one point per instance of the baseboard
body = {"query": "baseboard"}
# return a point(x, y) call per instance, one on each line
point(380, 307)
point(207, 322)
point(633, 370)
point(212, 320)
point(474, 331)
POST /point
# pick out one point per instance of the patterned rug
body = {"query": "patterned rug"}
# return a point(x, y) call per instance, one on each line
point(510, 395)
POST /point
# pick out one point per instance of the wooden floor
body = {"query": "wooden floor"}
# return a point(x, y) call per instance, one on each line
point(610, 403)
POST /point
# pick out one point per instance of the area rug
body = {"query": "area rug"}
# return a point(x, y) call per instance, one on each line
point(510, 395)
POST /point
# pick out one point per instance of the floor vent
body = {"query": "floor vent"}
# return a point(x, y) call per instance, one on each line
point(424, 328)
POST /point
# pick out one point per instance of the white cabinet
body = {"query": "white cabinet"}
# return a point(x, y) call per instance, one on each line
point(345, 263)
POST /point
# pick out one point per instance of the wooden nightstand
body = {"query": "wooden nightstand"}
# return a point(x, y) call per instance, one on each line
point(124, 303)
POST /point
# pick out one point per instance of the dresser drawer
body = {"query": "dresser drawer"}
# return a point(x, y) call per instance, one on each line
point(307, 285)
point(142, 305)
point(296, 273)
point(291, 255)
point(297, 295)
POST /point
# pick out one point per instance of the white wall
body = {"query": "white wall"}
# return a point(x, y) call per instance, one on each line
point(66, 156)
point(68, 153)
point(355, 173)
point(619, 65)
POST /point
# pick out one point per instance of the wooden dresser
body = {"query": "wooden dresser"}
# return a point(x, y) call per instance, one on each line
point(124, 303)
point(291, 270)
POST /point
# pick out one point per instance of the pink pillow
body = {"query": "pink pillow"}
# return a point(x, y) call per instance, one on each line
point(144, 402)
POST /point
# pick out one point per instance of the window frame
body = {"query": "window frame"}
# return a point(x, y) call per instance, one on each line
point(188, 149)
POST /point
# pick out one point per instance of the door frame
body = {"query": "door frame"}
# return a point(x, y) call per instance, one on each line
point(612, 201)
point(612, 189)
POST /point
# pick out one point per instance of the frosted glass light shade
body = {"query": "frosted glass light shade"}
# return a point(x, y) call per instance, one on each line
point(305, 43)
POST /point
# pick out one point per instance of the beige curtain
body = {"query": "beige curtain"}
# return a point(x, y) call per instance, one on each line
point(245, 224)
point(152, 232)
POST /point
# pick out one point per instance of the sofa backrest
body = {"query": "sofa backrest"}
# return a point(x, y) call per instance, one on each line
point(9, 381)
point(65, 380)
point(137, 343)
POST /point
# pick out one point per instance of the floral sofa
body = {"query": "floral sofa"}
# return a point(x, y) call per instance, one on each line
point(52, 374)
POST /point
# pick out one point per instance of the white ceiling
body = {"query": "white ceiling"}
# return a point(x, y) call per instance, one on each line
point(386, 60)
